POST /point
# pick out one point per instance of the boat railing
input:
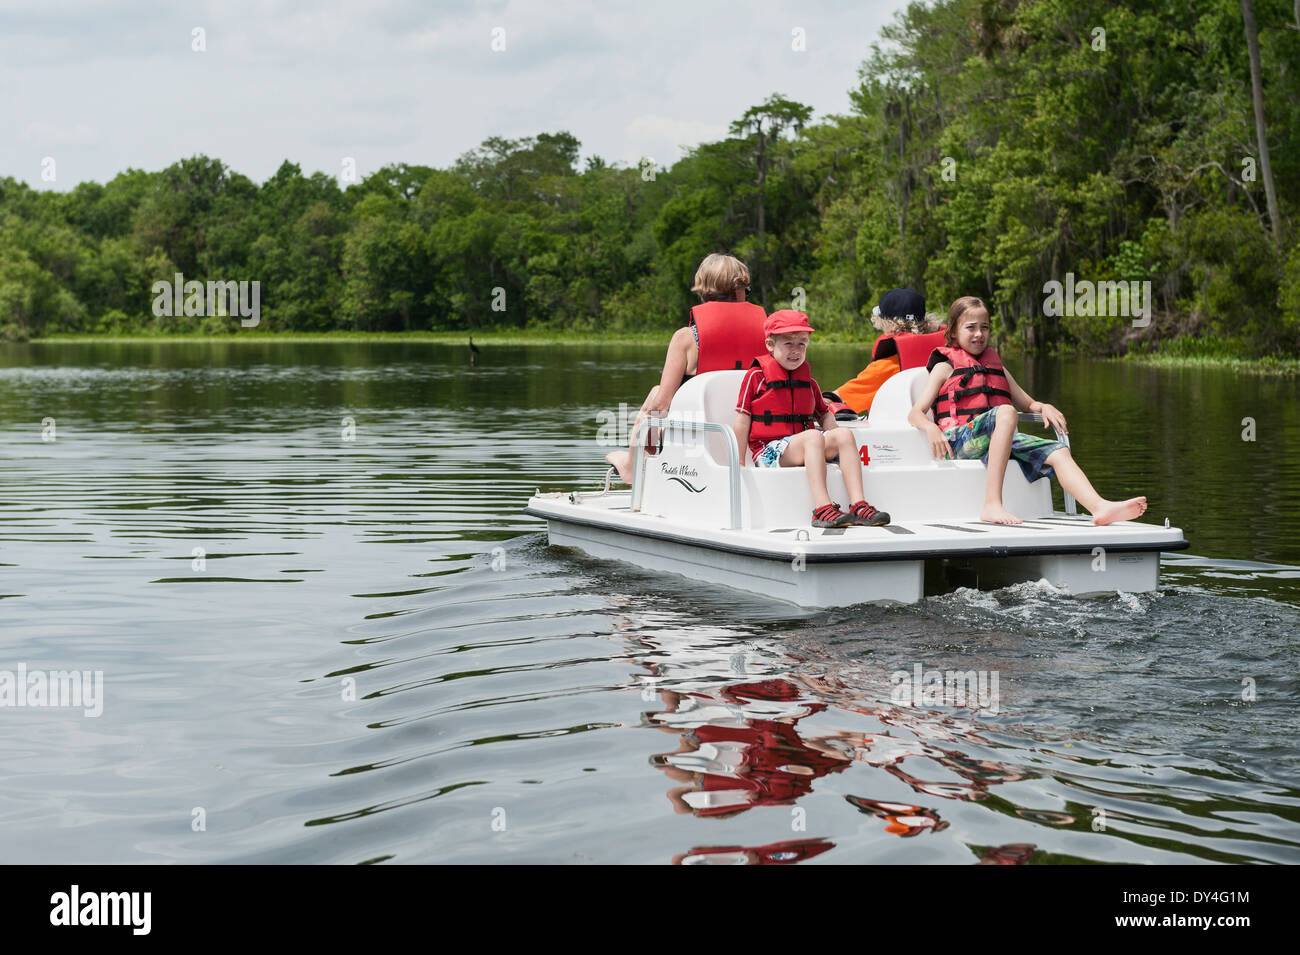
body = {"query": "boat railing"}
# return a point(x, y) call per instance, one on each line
point(1035, 418)
point(691, 429)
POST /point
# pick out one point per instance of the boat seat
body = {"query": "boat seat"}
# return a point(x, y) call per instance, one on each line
point(721, 389)
point(710, 397)
point(894, 400)
point(886, 433)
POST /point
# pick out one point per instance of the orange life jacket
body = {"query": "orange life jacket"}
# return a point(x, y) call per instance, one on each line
point(977, 383)
point(913, 350)
point(784, 404)
point(730, 334)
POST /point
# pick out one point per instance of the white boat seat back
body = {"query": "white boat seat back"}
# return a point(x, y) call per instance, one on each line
point(710, 397)
point(896, 396)
point(886, 433)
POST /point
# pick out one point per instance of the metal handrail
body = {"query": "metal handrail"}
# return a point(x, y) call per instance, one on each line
point(1034, 417)
point(693, 428)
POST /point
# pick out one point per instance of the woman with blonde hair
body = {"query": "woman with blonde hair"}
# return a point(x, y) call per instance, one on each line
point(722, 332)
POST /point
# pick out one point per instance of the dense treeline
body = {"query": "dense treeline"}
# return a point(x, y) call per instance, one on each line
point(992, 146)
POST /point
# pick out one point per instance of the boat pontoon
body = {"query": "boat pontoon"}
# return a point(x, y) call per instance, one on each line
point(694, 511)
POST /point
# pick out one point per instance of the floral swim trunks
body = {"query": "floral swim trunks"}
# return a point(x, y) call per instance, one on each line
point(1031, 453)
point(769, 455)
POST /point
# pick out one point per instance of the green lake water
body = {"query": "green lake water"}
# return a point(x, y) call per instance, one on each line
point(326, 630)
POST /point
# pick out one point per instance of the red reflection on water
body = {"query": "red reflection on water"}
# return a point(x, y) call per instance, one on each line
point(729, 760)
point(775, 853)
point(1016, 853)
point(740, 745)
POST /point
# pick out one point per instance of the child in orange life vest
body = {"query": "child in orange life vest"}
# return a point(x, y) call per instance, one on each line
point(975, 400)
point(776, 416)
point(909, 334)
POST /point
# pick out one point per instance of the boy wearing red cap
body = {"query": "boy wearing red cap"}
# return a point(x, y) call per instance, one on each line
point(777, 414)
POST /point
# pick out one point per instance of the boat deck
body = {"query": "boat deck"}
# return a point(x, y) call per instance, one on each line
point(905, 540)
point(835, 567)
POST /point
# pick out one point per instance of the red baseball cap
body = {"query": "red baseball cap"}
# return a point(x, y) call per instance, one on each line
point(786, 320)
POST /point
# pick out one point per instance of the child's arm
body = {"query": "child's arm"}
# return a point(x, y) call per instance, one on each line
point(939, 446)
point(1052, 416)
point(820, 407)
point(861, 391)
point(748, 385)
point(741, 427)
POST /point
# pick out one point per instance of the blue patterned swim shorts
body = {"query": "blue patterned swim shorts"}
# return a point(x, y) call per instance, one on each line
point(1031, 453)
point(769, 455)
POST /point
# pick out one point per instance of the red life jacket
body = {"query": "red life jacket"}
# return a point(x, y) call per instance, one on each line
point(913, 350)
point(977, 383)
point(730, 334)
point(784, 404)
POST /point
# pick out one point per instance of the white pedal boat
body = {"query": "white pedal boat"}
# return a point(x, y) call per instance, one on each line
point(694, 511)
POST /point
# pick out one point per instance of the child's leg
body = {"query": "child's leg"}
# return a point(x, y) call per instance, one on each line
point(808, 449)
point(999, 454)
point(622, 460)
point(840, 442)
point(1076, 483)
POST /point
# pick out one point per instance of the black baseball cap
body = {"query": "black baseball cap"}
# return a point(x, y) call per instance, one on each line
point(902, 303)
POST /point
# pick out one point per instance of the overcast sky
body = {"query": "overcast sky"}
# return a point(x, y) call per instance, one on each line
point(100, 87)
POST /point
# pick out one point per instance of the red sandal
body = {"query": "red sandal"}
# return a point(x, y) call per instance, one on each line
point(867, 515)
point(831, 516)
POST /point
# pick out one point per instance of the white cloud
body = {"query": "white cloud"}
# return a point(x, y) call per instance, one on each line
point(651, 135)
point(41, 134)
point(392, 81)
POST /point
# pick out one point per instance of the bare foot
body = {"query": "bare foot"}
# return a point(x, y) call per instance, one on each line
point(997, 514)
point(622, 462)
point(1112, 511)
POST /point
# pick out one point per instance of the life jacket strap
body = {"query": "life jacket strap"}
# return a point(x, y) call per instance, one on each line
point(960, 412)
point(806, 420)
point(982, 390)
point(965, 374)
point(789, 383)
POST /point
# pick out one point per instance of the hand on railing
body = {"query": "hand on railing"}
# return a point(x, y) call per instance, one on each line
point(1034, 417)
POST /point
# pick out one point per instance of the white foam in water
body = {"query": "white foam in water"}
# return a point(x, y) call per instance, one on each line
point(1041, 587)
point(1033, 602)
point(976, 598)
point(1025, 590)
point(1130, 602)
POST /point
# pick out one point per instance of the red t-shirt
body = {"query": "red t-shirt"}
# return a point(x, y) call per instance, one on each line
point(754, 380)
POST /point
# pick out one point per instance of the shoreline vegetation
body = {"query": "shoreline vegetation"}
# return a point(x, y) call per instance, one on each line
point(1211, 353)
point(1117, 154)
